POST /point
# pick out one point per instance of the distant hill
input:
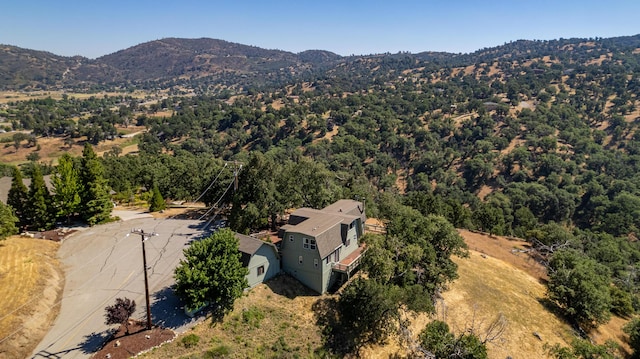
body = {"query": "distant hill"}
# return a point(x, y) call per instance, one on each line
point(173, 61)
point(159, 60)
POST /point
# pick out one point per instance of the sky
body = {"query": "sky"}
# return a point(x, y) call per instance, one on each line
point(93, 28)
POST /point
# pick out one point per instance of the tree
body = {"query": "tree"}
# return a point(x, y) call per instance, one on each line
point(8, 221)
point(120, 312)
point(368, 311)
point(633, 330)
point(438, 340)
point(212, 273)
point(40, 211)
point(17, 197)
point(580, 286)
point(66, 187)
point(96, 203)
point(157, 201)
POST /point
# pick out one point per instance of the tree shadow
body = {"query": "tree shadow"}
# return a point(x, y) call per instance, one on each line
point(334, 338)
point(285, 285)
point(167, 310)
point(95, 341)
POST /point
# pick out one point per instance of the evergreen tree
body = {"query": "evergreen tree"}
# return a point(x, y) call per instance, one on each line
point(17, 197)
point(40, 211)
point(96, 203)
point(7, 221)
point(157, 201)
point(67, 187)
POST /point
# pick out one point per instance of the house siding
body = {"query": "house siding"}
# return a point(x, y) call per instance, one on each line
point(322, 277)
point(265, 256)
point(306, 273)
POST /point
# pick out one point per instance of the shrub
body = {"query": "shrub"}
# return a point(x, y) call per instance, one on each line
point(189, 341)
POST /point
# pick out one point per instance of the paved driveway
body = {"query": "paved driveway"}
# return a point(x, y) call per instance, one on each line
point(105, 262)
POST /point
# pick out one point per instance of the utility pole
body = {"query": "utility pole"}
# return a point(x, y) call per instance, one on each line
point(144, 236)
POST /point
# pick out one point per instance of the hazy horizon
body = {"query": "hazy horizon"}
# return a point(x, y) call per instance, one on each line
point(354, 28)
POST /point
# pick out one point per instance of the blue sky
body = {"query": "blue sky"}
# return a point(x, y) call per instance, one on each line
point(93, 28)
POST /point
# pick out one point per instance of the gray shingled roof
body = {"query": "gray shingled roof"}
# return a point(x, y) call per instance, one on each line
point(324, 225)
point(5, 185)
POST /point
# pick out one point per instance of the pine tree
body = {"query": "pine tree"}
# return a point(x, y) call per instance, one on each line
point(17, 198)
point(67, 188)
point(7, 221)
point(96, 203)
point(41, 212)
point(157, 201)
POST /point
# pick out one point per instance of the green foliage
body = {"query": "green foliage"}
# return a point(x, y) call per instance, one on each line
point(66, 187)
point(580, 286)
point(416, 252)
point(18, 198)
point(220, 351)
point(621, 302)
point(632, 329)
point(584, 349)
point(8, 221)
point(368, 313)
point(157, 202)
point(438, 340)
point(190, 340)
point(211, 273)
point(41, 213)
point(253, 316)
point(95, 197)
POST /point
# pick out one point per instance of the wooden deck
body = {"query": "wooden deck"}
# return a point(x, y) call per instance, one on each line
point(350, 262)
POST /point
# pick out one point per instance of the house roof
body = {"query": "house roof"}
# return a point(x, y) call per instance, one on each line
point(344, 206)
point(324, 225)
point(5, 185)
point(250, 245)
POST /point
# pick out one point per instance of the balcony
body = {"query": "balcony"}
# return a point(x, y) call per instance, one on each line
point(350, 262)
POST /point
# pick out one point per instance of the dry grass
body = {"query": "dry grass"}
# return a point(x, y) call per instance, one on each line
point(280, 309)
point(31, 283)
point(13, 96)
point(489, 287)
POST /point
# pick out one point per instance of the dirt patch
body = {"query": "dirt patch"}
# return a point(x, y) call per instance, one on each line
point(123, 345)
point(511, 251)
point(31, 283)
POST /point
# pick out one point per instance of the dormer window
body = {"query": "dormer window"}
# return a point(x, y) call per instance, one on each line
point(309, 243)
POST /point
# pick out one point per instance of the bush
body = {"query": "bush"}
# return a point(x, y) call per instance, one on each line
point(217, 352)
point(189, 341)
point(252, 316)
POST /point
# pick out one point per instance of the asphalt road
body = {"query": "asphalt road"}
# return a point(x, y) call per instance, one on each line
point(105, 262)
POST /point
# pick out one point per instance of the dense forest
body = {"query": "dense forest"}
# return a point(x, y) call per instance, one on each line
point(533, 139)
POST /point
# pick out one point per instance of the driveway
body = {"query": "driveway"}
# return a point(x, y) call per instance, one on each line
point(103, 263)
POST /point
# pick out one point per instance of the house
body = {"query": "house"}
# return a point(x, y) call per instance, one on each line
point(261, 259)
point(320, 247)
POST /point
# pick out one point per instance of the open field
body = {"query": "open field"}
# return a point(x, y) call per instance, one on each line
point(31, 282)
point(51, 148)
point(13, 96)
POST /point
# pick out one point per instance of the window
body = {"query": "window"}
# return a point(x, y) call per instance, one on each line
point(300, 259)
point(326, 260)
point(309, 243)
point(348, 242)
point(315, 262)
point(353, 224)
point(336, 255)
point(261, 270)
point(291, 237)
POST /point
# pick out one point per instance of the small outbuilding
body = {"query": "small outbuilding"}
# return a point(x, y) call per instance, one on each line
point(260, 258)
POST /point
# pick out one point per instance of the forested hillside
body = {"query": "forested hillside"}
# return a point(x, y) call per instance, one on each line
point(534, 139)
